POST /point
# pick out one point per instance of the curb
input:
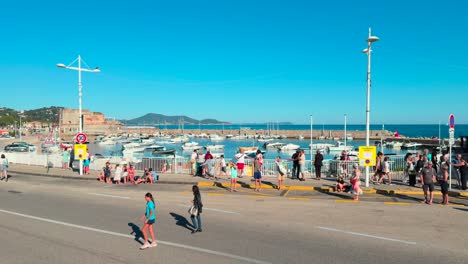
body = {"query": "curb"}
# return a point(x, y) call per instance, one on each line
point(87, 178)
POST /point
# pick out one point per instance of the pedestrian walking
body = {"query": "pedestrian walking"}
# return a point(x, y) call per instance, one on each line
point(3, 168)
point(222, 165)
point(233, 172)
point(462, 167)
point(200, 161)
point(281, 172)
point(301, 166)
point(197, 210)
point(107, 173)
point(240, 157)
point(355, 182)
point(65, 158)
point(442, 178)
point(318, 163)
point(149, 218)
point(295, 168)
point(86, 164)
point(193, 163)
point(117, 174)
point(379, 168)
point(428, 177)
point(258, 173)
point(386, 171)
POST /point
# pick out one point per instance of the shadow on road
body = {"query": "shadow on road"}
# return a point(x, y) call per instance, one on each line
point(182, 221)
point(461, 209)
point(137, 232)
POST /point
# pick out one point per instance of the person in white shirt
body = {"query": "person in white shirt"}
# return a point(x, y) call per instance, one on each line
point(223, 166)
point(240, 157)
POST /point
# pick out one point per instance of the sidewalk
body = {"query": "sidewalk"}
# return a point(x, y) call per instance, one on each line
point(324, 185)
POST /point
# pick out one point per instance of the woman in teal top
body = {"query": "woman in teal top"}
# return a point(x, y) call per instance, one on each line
point(149, 218)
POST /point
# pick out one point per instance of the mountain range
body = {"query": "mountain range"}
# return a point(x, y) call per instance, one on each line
point(155, 119)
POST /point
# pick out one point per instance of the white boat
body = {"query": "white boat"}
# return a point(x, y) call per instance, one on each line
point(239, 138)
point(133, 150)
point(320, 146)
point(275, 145)
point(181, 139)
point(188, 148)
point(290, 147)
point(216, 138)
point(321, 137)
point(394, 145)
point(265, 140)
point(191, 144)
point(411, 145)
point(300, 137)
point(154, 148)
point(340, 146)
point(107, 142)
point(131, 145)
point(214, 147)
point(283, 137)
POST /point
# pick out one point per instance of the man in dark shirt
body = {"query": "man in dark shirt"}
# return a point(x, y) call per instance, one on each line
point(428, 177)
point(295, 168)
point(318, 162)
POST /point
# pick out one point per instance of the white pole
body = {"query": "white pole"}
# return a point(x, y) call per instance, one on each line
point(345, 138)
point(80, 110)
point(381, 138)
point(439, 136)
point(450, 166)
point(20, 129)
point(368, 100)
point(311, 141)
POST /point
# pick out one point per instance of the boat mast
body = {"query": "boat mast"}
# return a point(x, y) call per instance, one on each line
point(345, 137)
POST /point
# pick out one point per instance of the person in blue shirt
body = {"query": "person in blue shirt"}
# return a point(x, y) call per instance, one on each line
point(149, 218)
point(154, 176)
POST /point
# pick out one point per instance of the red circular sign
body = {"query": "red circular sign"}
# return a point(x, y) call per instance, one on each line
point(452, 121)
point(81, 138)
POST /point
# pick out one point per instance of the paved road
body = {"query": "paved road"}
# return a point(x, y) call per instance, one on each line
point(46, 220)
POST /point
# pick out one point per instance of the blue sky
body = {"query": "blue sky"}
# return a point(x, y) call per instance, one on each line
point(240, 61)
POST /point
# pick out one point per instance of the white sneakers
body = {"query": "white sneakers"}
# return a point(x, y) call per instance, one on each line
point(148, 245)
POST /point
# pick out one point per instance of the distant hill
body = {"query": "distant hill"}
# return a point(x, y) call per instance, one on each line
point(154, 119)
point(10, 116)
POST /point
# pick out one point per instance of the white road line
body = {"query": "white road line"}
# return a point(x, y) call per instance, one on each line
point(172, 244)
point(213, 209)
point(112, 196)
point(366, 235)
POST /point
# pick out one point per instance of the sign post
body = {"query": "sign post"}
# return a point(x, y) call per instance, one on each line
point(451, 142)
point(367, 158)
point(80, 149)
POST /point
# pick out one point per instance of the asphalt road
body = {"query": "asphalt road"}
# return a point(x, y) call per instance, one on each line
point(46, 220)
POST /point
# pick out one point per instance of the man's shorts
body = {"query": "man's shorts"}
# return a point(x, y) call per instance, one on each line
point(443, 187)
point(240, 166)
point(257, 175)
point(150, 222)
point(429, 187)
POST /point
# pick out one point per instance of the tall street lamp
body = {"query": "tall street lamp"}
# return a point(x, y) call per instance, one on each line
point(20, 124)
point(80, 90)
point(368, 51)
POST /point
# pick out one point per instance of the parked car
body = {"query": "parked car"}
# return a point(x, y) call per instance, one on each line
point(20, 147)
point(16, 148)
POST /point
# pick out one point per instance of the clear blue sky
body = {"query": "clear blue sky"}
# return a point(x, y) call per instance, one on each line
point(240, 61)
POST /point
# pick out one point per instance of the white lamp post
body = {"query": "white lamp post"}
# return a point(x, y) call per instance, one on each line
point(368, 51)
point(311, 142)
point(20, 124)
point(80, 92)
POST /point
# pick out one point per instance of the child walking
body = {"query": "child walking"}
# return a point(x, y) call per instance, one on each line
point(233, 173)
point(281, 172)
point(355, 182)
point(222, 165)
point(149, 218)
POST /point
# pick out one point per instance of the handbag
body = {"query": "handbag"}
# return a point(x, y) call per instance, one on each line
point(193, 211)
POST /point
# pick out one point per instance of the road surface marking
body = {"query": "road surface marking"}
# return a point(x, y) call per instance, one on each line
point(212, 209)
point(346, 201)
point(396, 203)
point(167, 243)
point(366, 235)
point(111, 196)
point(215, 194)
point(298, 198)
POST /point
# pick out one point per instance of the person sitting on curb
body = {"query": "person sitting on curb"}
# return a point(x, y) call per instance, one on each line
point(141, 179)
point(101, 176)
point(340, 184)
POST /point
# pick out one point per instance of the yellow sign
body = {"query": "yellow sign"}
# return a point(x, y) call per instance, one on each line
point(81, 152)
point(367, 156)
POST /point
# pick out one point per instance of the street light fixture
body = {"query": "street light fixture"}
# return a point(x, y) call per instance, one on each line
point(371, 39)
point(80, 90)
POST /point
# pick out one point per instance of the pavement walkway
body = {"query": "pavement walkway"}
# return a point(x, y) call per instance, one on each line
point(324, 185)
